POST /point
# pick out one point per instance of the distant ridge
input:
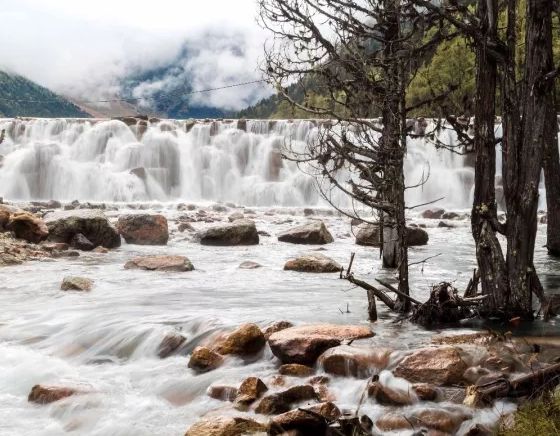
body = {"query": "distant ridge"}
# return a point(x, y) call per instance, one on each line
point(20, 97)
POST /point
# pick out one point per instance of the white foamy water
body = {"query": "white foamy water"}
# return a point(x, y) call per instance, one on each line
point(67, 159)
point(106, 341)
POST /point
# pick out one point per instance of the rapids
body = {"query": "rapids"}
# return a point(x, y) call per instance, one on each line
point(106, 341)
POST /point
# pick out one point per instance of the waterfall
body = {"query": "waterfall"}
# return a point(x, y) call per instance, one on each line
point(171, 160)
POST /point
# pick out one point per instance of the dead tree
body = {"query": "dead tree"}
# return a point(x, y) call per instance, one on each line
point(508, 281)
point(359, 56)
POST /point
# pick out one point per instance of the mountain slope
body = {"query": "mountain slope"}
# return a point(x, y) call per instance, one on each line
point(20, 97)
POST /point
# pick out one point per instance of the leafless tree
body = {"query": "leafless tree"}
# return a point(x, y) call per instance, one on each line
point(361, 55)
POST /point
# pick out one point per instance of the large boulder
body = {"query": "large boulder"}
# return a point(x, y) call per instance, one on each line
point(313, 262)
point(305, 344)
point(92, 223)
point(143, 229)
point(160, 263)
point(308, 421)
point(439, 366)
point(247, 339)
point(314, 232)
point(42, 394)
point(225, 426)
point(368, 235)
point(28, 226)
point(349, 360)
point(239, 232)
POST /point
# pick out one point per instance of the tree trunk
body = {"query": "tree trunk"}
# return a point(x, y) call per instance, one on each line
point(551, 166)
point(393, 148)
point(489, 255)
point(526, 154)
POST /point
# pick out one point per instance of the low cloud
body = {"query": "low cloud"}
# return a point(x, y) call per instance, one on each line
point(85, 50)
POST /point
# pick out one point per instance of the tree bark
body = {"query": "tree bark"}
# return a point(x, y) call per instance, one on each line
point(551, 167)
point(489, 255)
point(526, 155)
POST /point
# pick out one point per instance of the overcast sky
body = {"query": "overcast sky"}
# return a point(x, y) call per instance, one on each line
point(83, 48)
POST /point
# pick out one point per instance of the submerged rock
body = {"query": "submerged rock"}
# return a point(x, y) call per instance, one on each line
point(249, 264)
point(240, 232)
point(435, 213)
point(160, 263)
point(245, 340)
point(170, 344)
point(204, 359)
point(223, 393)
point(348, 360)
point(314, 232)
point(27, 226)
point(74, 283)
point(313, 262)
point(43, 394)
point(303, 422)
point(143, 229)
point(225, 426)
point(305, 344)
point(92, 223)
point(433, 419)
point(439, 366)
point(281, 402)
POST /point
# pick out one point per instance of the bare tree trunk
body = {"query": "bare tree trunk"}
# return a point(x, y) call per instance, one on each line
point(527, 155)
point(551, 166)
point(488, 251)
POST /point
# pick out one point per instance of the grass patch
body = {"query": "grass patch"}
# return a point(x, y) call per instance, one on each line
point(540, 417)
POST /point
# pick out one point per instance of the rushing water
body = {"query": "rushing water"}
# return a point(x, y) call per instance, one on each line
point(210, 161)
point(106, 341)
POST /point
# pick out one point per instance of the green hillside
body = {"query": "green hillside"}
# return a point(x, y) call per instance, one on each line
point(20, 97)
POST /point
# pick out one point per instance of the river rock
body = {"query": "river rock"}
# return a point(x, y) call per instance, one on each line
point(240, 232)
point(435, 213)
point(349, 360)
point(368, 235)
point(223, 393)
point(425, 391)
point(43, 394)
point(314, 232)
point(249, 391)
point(204, 359)
point(160, 263)
point(313, 262)
point(450, 216)
point(80, 242)
point(305, 423)
point(245, 340)
point(276, 327)
point(439, 366)
point(27, 226)
point(296, 370)
point(235, 216)
point(170, 344)
point(225, 426)
point(92, 223)
point(185, 226)
point(73, 283)
point(434, 419)
point(281, 402)
point(387, 396)
point(143, 229)
point(305, 344)
point(249, 264)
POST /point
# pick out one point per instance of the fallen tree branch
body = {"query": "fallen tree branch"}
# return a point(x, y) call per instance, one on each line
point(396, 291)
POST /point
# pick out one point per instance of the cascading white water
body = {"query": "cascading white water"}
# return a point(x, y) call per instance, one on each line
point(107, 160)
